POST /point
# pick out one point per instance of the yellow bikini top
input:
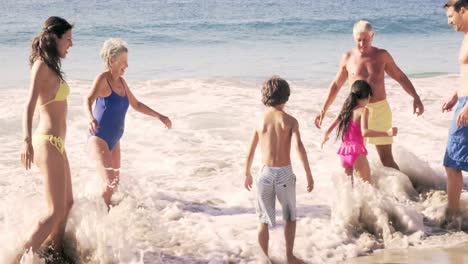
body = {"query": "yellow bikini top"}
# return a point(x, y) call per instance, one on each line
point(62, 93)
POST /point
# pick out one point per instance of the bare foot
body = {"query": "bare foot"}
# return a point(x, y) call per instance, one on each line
point(54, 253)
point(453, 220)
point(19, 256)
point(294, 260)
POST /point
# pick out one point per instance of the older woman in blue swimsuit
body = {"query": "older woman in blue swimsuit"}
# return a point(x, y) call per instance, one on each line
point(106, 126)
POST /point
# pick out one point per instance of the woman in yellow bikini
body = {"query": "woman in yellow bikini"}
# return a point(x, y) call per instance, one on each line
point(45, 148)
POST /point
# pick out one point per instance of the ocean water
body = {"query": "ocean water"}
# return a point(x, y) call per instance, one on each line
point(202, 63)
point(220, 38)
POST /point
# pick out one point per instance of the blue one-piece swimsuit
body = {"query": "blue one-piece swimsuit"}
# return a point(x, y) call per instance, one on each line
point(110, 114)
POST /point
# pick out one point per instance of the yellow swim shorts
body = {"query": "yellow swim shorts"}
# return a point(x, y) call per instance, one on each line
point(380, 119)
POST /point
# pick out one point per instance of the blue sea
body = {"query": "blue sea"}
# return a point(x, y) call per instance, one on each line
point(181, 197)
point(175, 39)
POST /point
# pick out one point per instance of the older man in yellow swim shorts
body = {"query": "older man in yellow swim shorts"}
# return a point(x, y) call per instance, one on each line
point(365, 62)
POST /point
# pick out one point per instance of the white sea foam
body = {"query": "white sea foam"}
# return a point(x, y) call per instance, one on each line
point(181, 197)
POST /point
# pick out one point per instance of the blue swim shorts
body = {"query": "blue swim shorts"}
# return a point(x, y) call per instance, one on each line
point(456, 153)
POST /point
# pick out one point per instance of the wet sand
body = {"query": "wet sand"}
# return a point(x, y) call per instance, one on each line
point(452, 255)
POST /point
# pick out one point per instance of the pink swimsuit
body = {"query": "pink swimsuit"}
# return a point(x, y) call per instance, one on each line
point(352, 145)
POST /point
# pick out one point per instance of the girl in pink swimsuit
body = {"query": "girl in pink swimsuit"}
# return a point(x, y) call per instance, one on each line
point(352, 125)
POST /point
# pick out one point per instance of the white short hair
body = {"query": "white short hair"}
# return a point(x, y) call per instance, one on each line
point(112, 48)
point(363, 26)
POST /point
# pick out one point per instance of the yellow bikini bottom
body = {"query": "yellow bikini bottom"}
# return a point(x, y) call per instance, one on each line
point(57, 142)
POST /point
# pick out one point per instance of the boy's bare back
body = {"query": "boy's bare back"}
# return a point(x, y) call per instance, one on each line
point(275, 131)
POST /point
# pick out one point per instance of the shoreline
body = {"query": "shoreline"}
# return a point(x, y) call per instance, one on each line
point(314, 83)
point(457, 254)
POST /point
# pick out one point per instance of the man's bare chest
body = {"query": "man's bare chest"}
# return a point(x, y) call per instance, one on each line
point(365, 68)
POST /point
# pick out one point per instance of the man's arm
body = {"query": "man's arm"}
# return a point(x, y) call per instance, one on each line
point(450, 102)
point(334, 88)
point(302, 155)
point(398, 75)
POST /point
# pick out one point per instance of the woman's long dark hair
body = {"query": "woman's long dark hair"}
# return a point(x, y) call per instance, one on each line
point(359, 90)
point(44, 45)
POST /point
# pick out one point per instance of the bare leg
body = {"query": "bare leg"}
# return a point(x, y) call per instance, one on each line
point(57, 233)
point(386, 156)
point(52, 166)
point(453, 219)
point(116, 165)
point(263, 237)
point(361, 165)
point(454, 188)
point(289, 235)
point(349, 172)
point(103, 156)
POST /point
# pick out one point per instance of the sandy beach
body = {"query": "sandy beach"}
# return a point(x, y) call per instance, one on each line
point(452, 255)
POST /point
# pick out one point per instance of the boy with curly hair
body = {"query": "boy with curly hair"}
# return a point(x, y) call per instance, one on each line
point(277, 180)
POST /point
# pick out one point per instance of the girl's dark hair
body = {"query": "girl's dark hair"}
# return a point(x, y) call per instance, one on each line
point(359, 90)
point(44, 45)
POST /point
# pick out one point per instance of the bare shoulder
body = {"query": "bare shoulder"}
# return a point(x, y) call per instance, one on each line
point(346, 56)
point(362, 110)
point(290, 120)
point(383, 54)
point(42, 75)
point(100, 86)
point(39, 65)
point(41, 69)
point(101, 79)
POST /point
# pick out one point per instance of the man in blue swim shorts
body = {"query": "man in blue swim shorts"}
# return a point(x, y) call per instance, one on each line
point(456, 154)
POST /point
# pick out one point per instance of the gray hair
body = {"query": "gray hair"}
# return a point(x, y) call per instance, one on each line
point(363, 26)
point(112, 48)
